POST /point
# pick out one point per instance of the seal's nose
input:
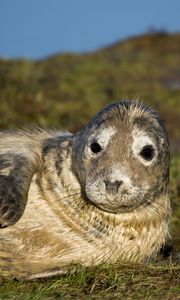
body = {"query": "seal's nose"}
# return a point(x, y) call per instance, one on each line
point(112, 187)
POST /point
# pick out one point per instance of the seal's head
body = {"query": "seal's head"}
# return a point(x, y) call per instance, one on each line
point(122, 158)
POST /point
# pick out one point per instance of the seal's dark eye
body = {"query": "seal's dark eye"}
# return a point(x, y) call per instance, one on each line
point(147, 152)
point(95, 147)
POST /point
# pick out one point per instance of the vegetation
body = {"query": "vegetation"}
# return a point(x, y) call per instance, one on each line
point(67, 90)
point(104, 282)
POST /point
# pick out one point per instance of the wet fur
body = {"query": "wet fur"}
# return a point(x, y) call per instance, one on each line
point(47, 221)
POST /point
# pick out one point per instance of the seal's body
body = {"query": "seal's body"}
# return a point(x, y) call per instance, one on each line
point(96, 196)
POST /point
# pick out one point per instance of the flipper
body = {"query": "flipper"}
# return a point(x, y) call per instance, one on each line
point(19, 160)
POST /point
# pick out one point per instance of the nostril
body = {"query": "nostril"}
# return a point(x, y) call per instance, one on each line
point(112, 186)
point(117, 183)
point(107, 183)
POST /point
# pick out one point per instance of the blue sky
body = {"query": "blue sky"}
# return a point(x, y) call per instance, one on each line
point(38, 28)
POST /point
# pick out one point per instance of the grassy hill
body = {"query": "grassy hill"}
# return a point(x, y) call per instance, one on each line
point(66, 90)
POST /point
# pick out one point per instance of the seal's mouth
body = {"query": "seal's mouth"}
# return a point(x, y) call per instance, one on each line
point(113, 208)
point(117, 210)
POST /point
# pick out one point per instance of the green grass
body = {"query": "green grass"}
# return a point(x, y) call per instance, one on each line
point(160, 281)
point(175, 202)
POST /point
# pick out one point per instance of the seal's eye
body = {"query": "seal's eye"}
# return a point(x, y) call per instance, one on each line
point(95, 147)
point(147, 152)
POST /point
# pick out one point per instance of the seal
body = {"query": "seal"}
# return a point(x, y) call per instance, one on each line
point(99, 195)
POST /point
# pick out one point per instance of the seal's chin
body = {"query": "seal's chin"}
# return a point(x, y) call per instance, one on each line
point(114, 208)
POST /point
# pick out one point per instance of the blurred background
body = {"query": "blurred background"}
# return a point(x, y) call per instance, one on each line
point(62, 60)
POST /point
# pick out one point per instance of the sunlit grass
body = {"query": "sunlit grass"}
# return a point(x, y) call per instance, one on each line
point(119, 281)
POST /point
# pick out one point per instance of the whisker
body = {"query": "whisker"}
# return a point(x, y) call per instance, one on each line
point(71, 195)
point(157, 207)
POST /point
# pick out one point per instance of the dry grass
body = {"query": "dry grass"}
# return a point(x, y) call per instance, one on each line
point(120, 281)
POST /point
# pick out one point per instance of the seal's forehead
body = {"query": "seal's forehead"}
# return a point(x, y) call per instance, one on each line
point(124, 111)
point(125, 116)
